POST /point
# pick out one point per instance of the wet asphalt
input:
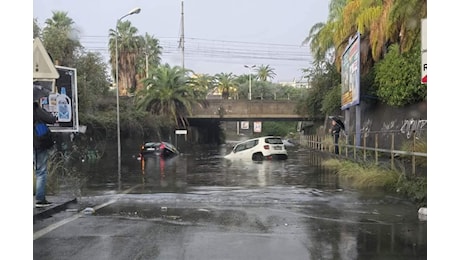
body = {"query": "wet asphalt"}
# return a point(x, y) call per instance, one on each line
point(245, 213)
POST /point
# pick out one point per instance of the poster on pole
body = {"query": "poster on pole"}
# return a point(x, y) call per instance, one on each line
point(257, 127)
point(351, 73)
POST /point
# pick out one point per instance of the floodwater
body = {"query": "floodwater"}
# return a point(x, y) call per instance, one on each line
point(334, 222)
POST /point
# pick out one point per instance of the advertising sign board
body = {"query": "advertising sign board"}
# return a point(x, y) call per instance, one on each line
point(63, 101)
point(351, 73)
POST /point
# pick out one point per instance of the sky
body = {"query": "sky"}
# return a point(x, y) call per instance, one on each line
point(220, 36)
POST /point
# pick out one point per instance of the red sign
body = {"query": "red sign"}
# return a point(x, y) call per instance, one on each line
point(424, 80)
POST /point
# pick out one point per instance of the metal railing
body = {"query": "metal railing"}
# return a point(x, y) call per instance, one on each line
point(374, 146)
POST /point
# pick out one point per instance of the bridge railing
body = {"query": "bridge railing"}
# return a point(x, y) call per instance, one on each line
point(408, 149)
point(232, 109)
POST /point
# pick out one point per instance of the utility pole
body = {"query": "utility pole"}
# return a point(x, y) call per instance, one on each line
point(182, 39)
point(146, 63)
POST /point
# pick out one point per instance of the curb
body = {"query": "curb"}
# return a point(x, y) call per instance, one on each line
point(55, 208)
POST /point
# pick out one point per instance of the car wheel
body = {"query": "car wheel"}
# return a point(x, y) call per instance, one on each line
point(257, 157)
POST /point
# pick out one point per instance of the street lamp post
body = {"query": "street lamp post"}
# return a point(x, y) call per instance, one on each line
point(250, 72)
point(134, 11)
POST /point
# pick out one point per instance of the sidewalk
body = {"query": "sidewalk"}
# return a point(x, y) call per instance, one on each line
point(60, 203)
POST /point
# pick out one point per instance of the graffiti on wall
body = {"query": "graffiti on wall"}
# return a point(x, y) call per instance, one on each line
point(409, 127)
point(366, 128)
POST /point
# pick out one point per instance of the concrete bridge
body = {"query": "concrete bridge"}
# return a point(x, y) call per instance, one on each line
point(238, 110)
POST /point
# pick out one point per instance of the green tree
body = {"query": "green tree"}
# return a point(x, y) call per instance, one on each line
point(332, 101)
point(149, 58)
point(129, 47)
point(167, 93)
point(321, 98)
point(93, 81)
point(226, 84)
point(61, 39)
point(278, 128)
point(321, 36)
point(37, 30)
point(380, 23)
point(201, 84)
point(405, 18)
point(265, 72)
point(397, 77)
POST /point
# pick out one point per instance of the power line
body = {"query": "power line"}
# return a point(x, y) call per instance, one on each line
point(220, 51)
point(218, 48)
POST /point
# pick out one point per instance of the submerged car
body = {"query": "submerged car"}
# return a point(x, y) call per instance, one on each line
point(259, 149)
point(163, 149)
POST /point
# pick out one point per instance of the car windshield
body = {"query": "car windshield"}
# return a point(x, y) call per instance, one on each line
point(273, 141)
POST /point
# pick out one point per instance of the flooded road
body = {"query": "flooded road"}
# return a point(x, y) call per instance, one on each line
point(199, 205)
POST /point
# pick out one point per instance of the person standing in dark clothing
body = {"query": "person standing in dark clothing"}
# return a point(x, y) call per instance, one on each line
point(41, 155)
point(335, 131)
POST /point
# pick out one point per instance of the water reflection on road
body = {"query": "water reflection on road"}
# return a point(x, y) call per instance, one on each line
point(207, 167)
point(334, 222)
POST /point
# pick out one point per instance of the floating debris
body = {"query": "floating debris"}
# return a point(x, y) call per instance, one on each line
point(88, 211)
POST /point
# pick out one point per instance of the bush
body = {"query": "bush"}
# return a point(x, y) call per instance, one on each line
point(397, 77)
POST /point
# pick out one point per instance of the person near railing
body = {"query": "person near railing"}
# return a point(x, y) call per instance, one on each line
point(335, 132)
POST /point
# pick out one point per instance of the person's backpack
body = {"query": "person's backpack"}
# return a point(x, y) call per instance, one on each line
point(43, 139)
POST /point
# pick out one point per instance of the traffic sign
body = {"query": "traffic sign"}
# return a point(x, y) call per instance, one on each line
point(43, 67)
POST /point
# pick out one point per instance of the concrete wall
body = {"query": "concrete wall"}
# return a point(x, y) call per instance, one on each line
point(404, 122)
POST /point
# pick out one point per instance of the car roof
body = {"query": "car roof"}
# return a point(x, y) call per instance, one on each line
point(261, 137)
point(151, 143)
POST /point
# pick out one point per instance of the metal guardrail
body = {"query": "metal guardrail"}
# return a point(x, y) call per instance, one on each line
point(325, 143)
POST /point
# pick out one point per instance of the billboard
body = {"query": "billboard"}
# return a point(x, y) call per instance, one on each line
point(63, 101)
point(350, 73)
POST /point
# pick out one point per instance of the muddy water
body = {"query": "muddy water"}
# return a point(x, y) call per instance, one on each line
point(335, 222)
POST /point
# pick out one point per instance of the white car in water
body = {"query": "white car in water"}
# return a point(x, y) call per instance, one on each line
point(259, 149)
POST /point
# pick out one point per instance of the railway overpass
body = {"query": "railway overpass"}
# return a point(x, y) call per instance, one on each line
point(239, 110)
point(206, 123)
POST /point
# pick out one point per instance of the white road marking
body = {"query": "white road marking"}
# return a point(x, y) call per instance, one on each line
point(52, 227)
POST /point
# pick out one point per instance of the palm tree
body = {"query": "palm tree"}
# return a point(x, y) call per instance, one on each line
point(405, 16)
point(149, 58)
point(201, 84)
point(265, 72)
point(60, 39)
point(321, 35)
point(226, 84)
point(380, 23)
point(129, 46)
point(167, 93)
